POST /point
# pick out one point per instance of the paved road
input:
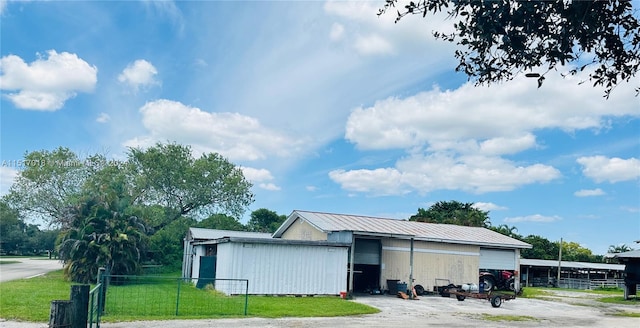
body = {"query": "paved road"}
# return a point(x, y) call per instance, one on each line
point(27, 268)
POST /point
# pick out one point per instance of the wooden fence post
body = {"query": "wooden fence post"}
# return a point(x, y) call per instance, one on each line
point(60, 315)
point(79, 306)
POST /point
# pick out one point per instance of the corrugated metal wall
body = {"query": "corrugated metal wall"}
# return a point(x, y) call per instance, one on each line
point(458, 263)
point(277, 269)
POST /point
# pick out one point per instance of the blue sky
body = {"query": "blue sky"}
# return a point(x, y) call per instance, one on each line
point(326, 106)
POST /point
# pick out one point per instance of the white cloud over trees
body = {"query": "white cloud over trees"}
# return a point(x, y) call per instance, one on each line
point(47, 82)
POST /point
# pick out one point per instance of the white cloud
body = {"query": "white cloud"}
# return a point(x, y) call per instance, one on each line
point(311, 188)
point(489, 206)
point(373, 45)
point(631, 209)
point(457, 140)
point(381, 182)
point(103, 118)
point(383, 35)
point(589, 192)
point(501, 119)
point(337, 32)
point(424, 174)
point(7, 178)
point(47, 82)
point(533, 218)
point(235, 136)
point(260, 178)
point(601, 168)
point(269, 186)
point(139, 74)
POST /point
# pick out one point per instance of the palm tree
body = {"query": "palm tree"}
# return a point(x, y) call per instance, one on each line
point(620, 248)
point(100, 236)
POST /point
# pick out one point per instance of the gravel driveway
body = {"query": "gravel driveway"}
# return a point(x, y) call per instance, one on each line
point(433, 311)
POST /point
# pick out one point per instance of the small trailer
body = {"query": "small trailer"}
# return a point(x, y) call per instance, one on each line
point(496, 299)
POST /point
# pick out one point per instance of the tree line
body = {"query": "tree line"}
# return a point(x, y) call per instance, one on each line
point(454, 212)
point(123, 214)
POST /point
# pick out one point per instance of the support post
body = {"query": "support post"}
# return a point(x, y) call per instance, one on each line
point(411, 270)
point(351, 265)
point(60, 314)
point(559, 263)
point(79, 306)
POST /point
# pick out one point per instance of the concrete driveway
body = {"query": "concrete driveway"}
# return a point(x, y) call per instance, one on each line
point(575, 310)
point(27, 268)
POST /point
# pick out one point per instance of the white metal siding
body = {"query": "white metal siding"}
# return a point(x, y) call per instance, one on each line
point(274, 269)
point(498, 259)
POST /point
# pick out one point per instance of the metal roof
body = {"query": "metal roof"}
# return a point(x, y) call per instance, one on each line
point(272, 241)
point(208, 234)
point(627, 255)
point(570, 264)
point(373, 226)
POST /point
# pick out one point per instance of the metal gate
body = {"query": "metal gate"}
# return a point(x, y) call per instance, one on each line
point(96, 298)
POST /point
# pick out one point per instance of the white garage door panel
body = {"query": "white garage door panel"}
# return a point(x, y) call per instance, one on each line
point(498, 259)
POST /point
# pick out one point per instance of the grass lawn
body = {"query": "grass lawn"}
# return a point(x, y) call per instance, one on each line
point(8, 261)
point(610, 295)
point(156, 299)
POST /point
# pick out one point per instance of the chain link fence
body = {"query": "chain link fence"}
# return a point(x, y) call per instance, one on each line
point(161, 297)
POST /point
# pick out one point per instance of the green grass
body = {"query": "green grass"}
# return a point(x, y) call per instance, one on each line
point(155, 299)
point(8, 262)
point(619, 300)
point(30, 299)
point(627, 314)
point(536, 292)
point(507, 317)
point(323, 306)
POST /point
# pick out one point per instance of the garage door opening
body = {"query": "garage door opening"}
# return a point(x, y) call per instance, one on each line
point(367, 265)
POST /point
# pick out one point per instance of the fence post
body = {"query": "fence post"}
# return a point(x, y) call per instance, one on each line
point(178, 296)
point(79, 306)
point(246, 297)
point(103, 290)
point(60, 315)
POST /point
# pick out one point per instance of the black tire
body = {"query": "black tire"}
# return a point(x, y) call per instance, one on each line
point(496, 301)
point(460, 297)
point(489, 283)
point(419, 290)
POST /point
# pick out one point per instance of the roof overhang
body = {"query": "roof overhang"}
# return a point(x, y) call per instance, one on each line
point(277, 241)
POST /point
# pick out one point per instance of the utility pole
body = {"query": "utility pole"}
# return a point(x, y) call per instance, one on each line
point(559, 263)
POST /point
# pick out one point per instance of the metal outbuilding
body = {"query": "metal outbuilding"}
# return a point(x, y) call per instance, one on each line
point(386, 251)
point(631, 261)
point(315, 253)
point(272, 266)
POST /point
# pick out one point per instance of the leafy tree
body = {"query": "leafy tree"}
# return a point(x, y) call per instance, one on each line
point(167, 174)
point(166, 245)
point(48, 184)
point(503, 38)
point(18, 237)
point(222, 222)
point(264, 220)
point(572, 251)
point(11, 229)
point(620, 248)
point(453, 212)
point(101, 235)
point(542, 248)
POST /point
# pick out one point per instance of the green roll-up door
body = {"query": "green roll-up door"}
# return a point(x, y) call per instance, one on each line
point(207, 273)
